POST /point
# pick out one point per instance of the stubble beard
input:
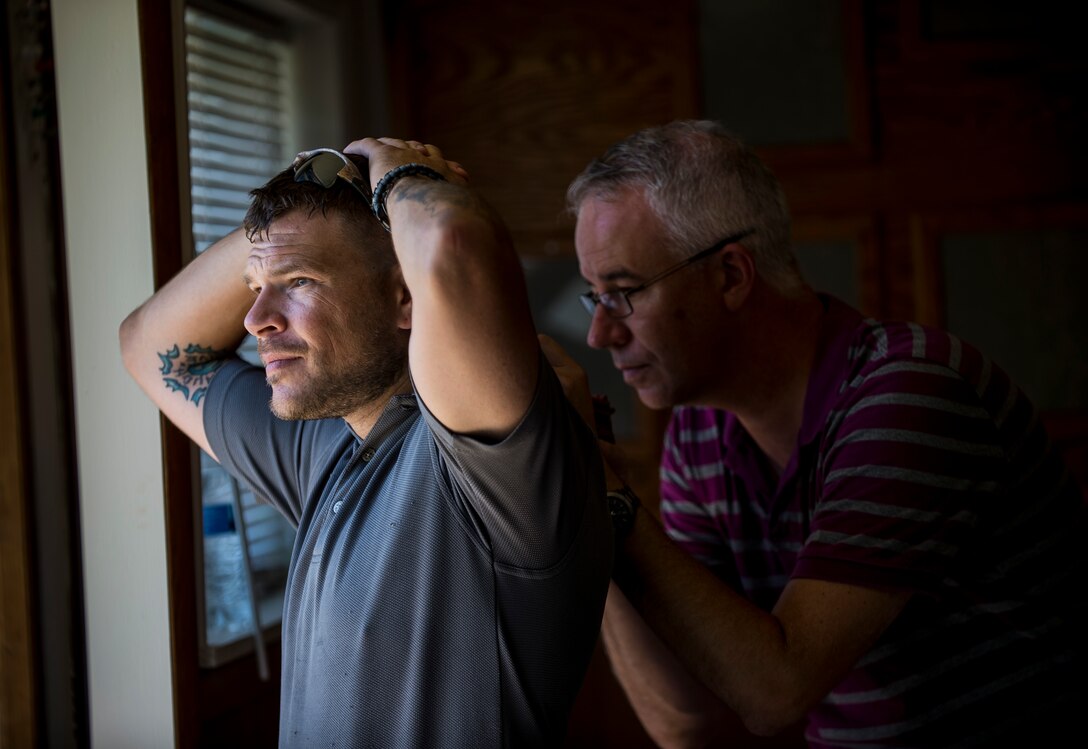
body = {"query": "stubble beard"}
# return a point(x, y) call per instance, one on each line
point(352, 386)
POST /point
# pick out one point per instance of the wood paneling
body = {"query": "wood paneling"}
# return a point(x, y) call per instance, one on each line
point(525, 94)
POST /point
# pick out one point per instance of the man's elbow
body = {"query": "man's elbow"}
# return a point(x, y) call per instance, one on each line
point(774, 714)
point(696, 728)
point(128, 336)
point(689, 732)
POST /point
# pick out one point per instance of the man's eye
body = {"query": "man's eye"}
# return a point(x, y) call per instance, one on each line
point(300, 282)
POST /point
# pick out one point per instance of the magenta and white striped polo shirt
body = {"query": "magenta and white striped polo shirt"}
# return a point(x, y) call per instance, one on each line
point(919, 466)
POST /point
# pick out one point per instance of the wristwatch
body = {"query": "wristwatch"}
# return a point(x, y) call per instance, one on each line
point(622, 504)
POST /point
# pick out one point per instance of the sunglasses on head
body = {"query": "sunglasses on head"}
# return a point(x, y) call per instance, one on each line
point(324, 166)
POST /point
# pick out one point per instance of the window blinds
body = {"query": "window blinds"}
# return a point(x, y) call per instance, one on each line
point(239, 114)
point(238, 119)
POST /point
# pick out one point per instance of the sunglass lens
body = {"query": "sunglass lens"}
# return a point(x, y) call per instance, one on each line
point(325, 166)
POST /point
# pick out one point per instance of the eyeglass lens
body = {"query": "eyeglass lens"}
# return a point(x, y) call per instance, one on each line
point(588, 302)
point(615, 304)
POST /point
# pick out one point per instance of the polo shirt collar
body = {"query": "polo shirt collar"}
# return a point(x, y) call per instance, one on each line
point(396, 410)
point(741, 455)
point(837, 327)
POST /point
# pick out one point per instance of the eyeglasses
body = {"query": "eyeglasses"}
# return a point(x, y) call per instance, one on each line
point(324, 166)
point(617, 304)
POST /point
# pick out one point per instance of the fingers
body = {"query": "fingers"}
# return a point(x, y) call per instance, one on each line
point(363, 146)
point(456, 167)
point(425, 148)
point(366, 146)
point(570, 372)
point(371, 148)
point(572, 377)
point(555, 354)
point(576, 387)
point(560, 360)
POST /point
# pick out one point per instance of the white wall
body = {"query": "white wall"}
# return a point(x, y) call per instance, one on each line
point(107, 233)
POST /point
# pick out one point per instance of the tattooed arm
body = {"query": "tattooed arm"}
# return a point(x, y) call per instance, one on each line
point(473, 350)
point(174, 343)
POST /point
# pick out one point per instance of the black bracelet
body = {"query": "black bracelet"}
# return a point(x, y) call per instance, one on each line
point(385, 186)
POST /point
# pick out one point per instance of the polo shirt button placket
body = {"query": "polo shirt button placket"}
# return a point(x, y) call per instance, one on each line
point(368, 454)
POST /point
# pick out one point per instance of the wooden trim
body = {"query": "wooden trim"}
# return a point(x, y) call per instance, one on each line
point(918, 48)
point(858, 147)
point(864, 230)
point(162, 61)
point(926, 231)
point(19, 700)
point(928, 276)
point(1011, 217)
point(858, 87)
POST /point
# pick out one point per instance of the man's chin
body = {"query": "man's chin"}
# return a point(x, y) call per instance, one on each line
point(281, 410)
point(653, 399)
point(289, 409)
point(307, 406)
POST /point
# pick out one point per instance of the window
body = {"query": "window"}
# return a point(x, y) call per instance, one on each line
point(239, 103)
point(238, 83)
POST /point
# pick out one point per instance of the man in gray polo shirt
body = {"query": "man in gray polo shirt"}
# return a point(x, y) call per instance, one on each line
point(453, 547)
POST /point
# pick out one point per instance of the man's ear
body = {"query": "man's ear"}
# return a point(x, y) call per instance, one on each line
point(403, 300)
point(738, 275)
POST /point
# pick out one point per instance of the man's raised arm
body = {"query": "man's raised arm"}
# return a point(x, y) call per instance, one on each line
point(473, 351)
point(174, 343)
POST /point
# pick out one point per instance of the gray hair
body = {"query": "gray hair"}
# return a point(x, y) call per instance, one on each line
point(703, 183)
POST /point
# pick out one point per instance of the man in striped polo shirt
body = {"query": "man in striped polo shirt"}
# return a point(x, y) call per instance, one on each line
point(862, 524)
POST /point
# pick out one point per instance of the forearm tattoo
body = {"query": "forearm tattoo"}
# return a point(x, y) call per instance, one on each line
point(191, 373)
point(438, 196)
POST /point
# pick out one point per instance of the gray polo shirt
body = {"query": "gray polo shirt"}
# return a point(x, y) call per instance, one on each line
point(443, 592)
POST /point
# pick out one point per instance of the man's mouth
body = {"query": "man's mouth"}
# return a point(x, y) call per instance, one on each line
point(274, 362)
point(630, 371)
point(271, 353)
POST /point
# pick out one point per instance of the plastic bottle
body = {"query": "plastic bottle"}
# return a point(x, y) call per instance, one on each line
point(226, 598)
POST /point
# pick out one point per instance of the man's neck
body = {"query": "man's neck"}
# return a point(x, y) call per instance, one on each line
point(782, 352)
point(363, 419)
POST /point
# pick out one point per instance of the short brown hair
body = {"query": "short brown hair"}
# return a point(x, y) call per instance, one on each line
point(282, 195)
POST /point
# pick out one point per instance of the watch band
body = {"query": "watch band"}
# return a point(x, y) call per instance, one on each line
point(385, 186)
point(622, 505)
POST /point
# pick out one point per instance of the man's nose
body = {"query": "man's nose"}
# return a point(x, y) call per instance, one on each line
point(606, 331)
point(265, 316)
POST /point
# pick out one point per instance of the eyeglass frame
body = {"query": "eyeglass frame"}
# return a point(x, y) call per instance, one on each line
point(590, 300)
point(349, 172)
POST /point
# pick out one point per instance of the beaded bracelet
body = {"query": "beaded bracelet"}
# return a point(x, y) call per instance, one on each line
point(385, 186)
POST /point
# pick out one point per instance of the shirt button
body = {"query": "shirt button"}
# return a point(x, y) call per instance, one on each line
point(337, 505)
point(368, 454)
